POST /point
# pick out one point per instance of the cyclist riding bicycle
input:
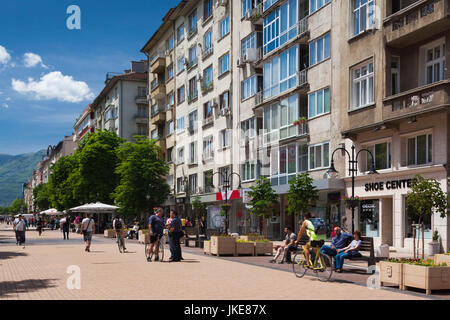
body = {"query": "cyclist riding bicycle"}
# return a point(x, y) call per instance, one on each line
point(156, 231)
point(118, 226)
point(310, 231)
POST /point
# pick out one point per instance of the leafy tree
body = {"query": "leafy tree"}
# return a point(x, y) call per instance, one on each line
point(198, 207)
point(18, 206)
point(141, 171)
point(60, 187)
point(4, 210)
point(301, 193)
point(262, 200)
point(41, 197)
point(425, 198)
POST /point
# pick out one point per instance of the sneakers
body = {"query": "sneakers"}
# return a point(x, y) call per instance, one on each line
point(149, 259)
point(156, 258)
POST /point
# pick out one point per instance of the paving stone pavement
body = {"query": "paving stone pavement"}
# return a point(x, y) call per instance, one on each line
point(40, 272)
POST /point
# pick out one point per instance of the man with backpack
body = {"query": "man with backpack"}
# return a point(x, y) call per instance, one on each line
point(118, 226)
point(65, 226)
point(87, 228)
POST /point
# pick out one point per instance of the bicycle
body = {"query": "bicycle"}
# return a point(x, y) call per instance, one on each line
point(322, 265)
point(120, 243)
point(162, 240)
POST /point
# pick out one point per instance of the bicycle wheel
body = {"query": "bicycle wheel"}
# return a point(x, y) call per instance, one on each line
point(161, 249)
point(326, 265)
point(298, 265)
point(120, 244)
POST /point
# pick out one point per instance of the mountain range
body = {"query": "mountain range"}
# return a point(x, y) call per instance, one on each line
point(14, 171)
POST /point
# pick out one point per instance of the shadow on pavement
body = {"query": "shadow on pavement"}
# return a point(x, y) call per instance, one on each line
point(10, 255)
point(30, 285)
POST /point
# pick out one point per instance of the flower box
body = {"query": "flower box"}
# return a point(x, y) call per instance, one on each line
point(442, 258)
point(207, 247)
point(245, 248)
point(263, 248)
point(391, 272)
point(144, 237)
point(223, 245)
point(251, 237)
point(109, 233)
point(425, 277)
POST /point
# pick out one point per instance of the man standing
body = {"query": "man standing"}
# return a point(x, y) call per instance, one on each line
point(339, 241)
point(19, 228)
point(87, 227)
point(156, 231)
point(174, 237)
point(65, 226)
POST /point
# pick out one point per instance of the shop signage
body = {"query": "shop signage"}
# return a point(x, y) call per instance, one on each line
point(388, 185)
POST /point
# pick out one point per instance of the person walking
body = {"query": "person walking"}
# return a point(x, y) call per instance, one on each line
point(39, 225)
point(87, 227)
point(175, 233)
point(65, 226)
point(19, 228)
point(77, 224)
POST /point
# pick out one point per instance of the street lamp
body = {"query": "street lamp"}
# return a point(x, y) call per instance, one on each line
point(226, 186)
point(353, 169)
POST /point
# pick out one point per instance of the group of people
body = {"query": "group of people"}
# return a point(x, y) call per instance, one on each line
point(343, 244)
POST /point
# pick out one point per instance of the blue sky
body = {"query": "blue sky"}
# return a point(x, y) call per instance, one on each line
point(49, 74)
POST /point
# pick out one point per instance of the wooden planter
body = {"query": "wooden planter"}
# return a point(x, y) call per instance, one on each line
point(428, 278)
point(245, 248)
point(144, 238)
point(263, 248)
point(141, 236)
point(251, 237)
point(442, 258)
point(207, 247)
point(223, 245)
point(391, 272)
point(110, 233)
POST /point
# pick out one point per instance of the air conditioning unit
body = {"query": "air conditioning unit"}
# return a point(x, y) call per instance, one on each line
point(245, 57)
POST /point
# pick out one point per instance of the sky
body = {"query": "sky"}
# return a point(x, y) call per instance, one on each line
point(50, 73)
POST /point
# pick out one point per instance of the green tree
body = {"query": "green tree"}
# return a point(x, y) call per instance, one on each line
point(141, 170)
point(18, 206)
point(94, 177)
point(425, 198)
point(61, 189)
point(262, 200)
point(41, 197)
point(301, 194)
point(198, 207)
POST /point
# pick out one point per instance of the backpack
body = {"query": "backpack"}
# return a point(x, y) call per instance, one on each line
point(118, 225)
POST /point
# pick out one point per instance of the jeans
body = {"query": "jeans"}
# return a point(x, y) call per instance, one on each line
point(175, 247)
point(66, 230)
point(328, 251)
point(340, 259)
point(20, 237)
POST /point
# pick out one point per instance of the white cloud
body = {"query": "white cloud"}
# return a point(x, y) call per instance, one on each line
point(8, 99)
point(54, 85)
point(5, 105)
point(31, 60)
point(4, 56)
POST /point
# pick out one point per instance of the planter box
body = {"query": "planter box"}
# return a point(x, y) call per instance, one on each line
point(245, 248)
point(441, 258)
point(223, 245)
point(428, 278)
point(391, 272)
point(144, 238)
point(110, 233)
point(263, 248)
point(207, 247)
point(251, 237)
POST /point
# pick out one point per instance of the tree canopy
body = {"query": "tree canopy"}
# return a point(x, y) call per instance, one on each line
point(262, 198)
point(301, 193)
point(18, 206)
point(41, 195)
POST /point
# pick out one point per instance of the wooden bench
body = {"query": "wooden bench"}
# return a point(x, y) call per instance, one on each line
point(190, 234)
point(366, 246)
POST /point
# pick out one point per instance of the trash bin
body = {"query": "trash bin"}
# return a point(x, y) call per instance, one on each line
point(382, 251)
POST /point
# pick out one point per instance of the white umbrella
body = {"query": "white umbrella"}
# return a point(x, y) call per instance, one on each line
point(97, 207)
point(51, 212)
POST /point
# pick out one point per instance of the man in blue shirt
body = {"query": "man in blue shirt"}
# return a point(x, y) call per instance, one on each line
point(339, 241)
point(174, 236)
point(156, 231)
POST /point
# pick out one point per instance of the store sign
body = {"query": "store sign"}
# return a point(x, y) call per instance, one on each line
point(388, 185)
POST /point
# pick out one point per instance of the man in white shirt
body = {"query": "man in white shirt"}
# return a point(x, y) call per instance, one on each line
point(87, 228)
point(19, 228)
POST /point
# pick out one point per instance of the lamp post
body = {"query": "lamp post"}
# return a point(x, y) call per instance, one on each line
point(353, 169)
point(226, 177)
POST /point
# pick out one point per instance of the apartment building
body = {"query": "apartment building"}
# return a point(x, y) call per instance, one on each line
point(394, 102)
point(84, 124)
point(122, 105)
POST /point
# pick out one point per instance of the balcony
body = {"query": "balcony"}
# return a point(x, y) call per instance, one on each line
point(253, 56)
point(141, 99)
point(141, 117)
point(302, 130)
point(416, 101)
point(208, 156)
point(158, 63)
point(255, 15)
point(207, 86)
point(158, 114)
point(208, 51)
point(416, 22)
point(208, 121)
point(158, 90)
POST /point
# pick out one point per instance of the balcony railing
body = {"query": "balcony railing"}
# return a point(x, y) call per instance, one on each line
point(208, 155)
point(207, 86)
point(141, 115)
point(208, 121)
point(157, 110)
point(159, 54)
point(302, 129)
point(208, 51)
point(254, 14)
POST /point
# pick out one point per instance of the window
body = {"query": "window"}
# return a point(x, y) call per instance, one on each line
point(170, 43)
point(319, 156)
point(208, 180)
point(207, 9)
point(279, 120)
point(180, 64)
point(142, 91)
point(192, 56)
point(302, 157)
point(180, 33)
point(224, 64)
point(224, 100)
point(225, 138)
point(382, 154)
point(170, 72)
point(170, 128)
point(180, 124)
point(193, 152)
point(224, 172)
point(319, 49)
point(419, 149)
point(251, 86)
point(207, 110)
point(208, 77)
point(208, 151)
point(170, 99)
point(315, 5)
point(170, 157)
point(193, 120)
point(155, 134)
point(268, 4)
point(369, 223)
point(435, 62)
point(363, 15)
point(246, 6)
point(252, 41)
point(280, 74)
point(192, 88)
point(248, 170)
point(193, 22)
point(180, 185)
point(363, 90)
point(248, 130)
point(319, 102)
point(224, 27)
point(395, 75)
point(180, 93)
point(207, 43)
point(180, 155)
point(280, 26)
point(193, 183)
point(283, 164)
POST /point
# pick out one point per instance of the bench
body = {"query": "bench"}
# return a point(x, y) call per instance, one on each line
point(366, 246)
point(190, 234)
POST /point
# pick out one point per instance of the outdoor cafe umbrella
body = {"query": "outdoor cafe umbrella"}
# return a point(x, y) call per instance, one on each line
point(97, 207)
point(51, 212)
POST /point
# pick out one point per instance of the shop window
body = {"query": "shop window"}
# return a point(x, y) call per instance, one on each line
point(370, 218)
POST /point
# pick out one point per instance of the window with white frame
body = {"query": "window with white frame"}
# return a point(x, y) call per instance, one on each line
point(170, 43)
point(280, 26)
point(208, 77)
point(315, 5)
point(180, 33)
point(319, 102)
point(170, 72)
point(180, 155)
point(434, 61)
point(246, 6)
point(302, 157)
point(248, 170)
point(248, 130)
point(180, 124)
point(382, 156)
point(193, 152)
point(363, 15)
point(155, 134)
point(180, 64)
point(362, 86)
point(252, 41)
point(207, 43)
point(280, 73)
point(180, 184)
point(279, 120)
point(419, 149)
point(208, 148)
point(192, 56)
point(224, 173)
point(224, 64)
point(180, 92)
point(193, 88)
point(251, 86)
point(225, 138)
point(319, 156)
point(224, 100)
point(224, 27)
point(193, 120)
point(193, 183)
point(319, 49)
point(283, 164)
point(268, 4)
point(170, 127)
point(170, 99)
point(193, 21)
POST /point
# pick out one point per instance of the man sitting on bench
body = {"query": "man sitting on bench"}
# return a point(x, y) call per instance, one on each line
point(287, 248)
point(351, 250)
point(339, 241)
